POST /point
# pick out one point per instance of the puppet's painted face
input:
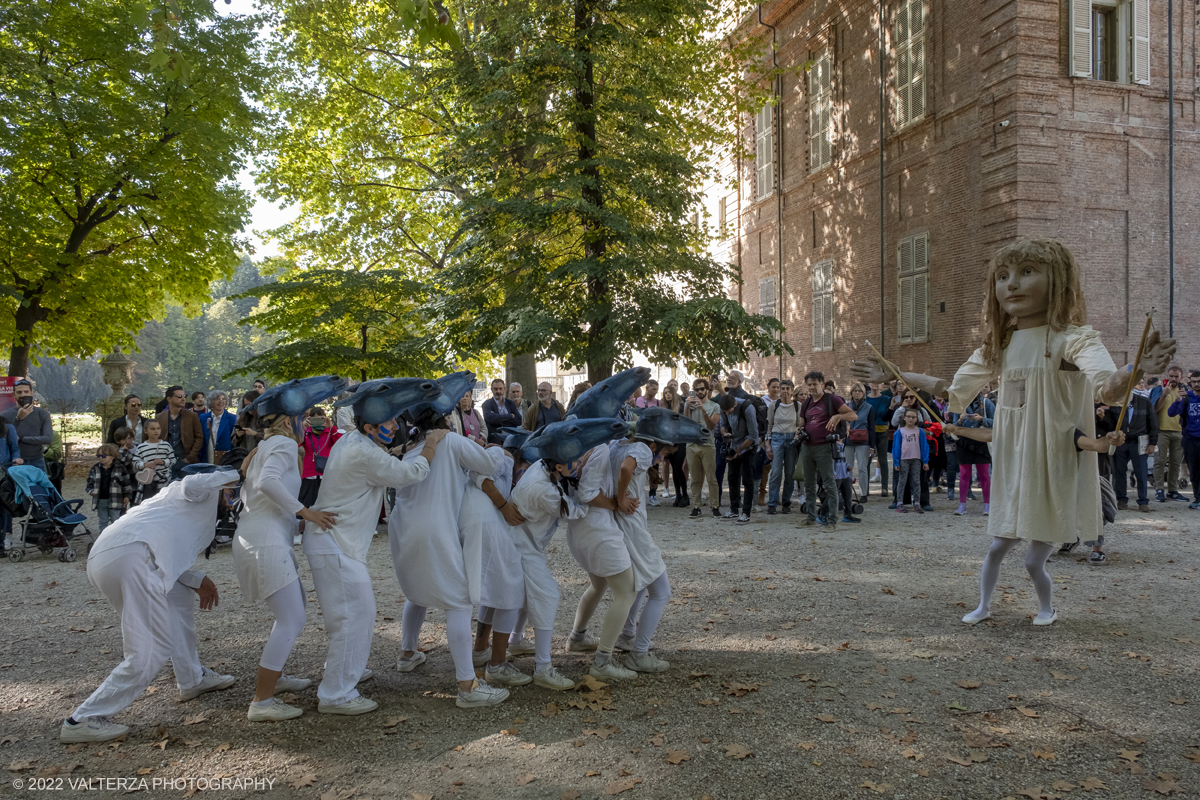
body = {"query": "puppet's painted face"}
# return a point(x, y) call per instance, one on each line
point(1023, 291)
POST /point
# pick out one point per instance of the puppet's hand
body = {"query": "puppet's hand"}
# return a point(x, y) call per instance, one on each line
point(512, 514)
point(627, 505)
point(1158, 354)
point(868, 369)
point(1116, 438)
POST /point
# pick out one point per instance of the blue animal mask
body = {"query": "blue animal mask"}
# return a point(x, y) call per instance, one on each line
point(605, 399)
point(667, 427)
point(377, 401)
point(566, 441)
point(516, 440)
point(296, 397)
point(452, 387)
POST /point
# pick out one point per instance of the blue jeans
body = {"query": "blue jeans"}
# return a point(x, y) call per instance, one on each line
point(107, 512)
point(783, 467)
point(40, 463)
point(1127, 455)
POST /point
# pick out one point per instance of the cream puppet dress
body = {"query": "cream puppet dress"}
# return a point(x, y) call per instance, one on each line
point(1043, 489)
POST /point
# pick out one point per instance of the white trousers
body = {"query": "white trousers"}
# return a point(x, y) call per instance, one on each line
point(156, 626)
point(348, 610)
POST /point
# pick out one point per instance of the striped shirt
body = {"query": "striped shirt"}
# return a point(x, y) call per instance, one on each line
point(149, 451)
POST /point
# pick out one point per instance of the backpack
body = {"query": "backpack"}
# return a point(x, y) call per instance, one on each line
point(760, 412)
point(795, 407)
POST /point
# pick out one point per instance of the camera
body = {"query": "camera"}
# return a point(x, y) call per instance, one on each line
point(801, 436)
point(730, 452)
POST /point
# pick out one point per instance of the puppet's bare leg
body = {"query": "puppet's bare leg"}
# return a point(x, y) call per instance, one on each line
point(988, 575)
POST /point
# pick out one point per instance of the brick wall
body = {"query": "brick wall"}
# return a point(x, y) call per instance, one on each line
point(1081, 160)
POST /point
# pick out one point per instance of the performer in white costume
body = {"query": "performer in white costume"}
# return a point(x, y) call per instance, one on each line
point(438, 564)
point(1052, 367)
point(357, 476)
point(142, 564)
point(263, 552)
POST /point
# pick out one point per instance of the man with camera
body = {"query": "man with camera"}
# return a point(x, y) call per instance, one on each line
point(821, 415)
point(35, 430)
point(739, 427)
point(1170, 435)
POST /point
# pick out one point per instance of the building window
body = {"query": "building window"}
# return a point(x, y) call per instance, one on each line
point(1110, 40)
point(910, 62)
point(766, 297)
point(820, 115)
point(913, 258)
point(822, 305)
point(764, 152)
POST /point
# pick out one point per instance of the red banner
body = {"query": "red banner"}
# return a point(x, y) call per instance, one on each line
point(6, 394)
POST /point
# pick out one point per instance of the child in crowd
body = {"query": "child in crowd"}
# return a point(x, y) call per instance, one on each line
point(155, 453)
point(910, 455)
point(110, 484)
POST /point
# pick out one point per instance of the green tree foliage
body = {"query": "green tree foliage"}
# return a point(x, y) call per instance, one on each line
point(119, 143)
point(359, 323)
point(200, 350)
point(539, 180)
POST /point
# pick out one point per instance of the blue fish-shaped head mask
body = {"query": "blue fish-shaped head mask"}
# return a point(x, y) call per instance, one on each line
point(606, 397)
point(296, 397)
point(667, 427)
point(378, 401)
point(516, 441)
point(451, 389)
point(564, 442)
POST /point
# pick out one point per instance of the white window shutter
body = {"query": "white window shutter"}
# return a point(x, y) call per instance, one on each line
point(764, 152)
point(902, 85)
point(904, 255)
point(920, 306)
point(766, 297)
point(1141, 41)
point(916, 84)
point(1081, 38)
point(920, 246)
point(906, 306)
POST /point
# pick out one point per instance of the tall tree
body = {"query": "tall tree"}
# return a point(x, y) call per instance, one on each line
point(540, 180)
point(121, 134)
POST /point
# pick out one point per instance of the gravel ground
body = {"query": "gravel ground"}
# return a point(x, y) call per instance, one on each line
point(803, 664)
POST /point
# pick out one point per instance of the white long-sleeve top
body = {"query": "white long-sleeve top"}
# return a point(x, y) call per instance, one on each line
point(502, 578)
point(263, 553)
point(538, 501)
point(438, 564)
point(176, 525)
point(594, 539)
point(356, 478)
point(644, 554)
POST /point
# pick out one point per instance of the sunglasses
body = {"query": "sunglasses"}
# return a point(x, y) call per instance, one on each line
point(103, 455)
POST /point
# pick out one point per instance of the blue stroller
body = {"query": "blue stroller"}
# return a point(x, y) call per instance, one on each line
point(47, 522)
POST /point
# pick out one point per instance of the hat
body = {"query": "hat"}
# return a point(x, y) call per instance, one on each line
point(295, 397)
point(606, 397)
point(378, 401)
point(667, 427)
point(565, 441)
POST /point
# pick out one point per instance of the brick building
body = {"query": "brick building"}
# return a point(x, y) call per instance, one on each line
point(1001, 118)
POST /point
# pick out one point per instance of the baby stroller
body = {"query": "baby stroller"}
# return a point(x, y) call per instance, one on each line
point(230, 505)
point(48, 522)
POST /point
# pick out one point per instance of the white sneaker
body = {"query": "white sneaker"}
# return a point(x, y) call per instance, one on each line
point(587, 644)
point(297, 540)
point(624, 643)
point(976, 616)
point(521, 647)
point(743, 519)
point(290, 683)
point(551, 678)
point(367, 675)
point(506, 675)
point(646, 662)
point(350, 708)
point(411, 663)
point(274, 711)
point(729, 515)
point(481, 657)
point(480, 696)
point(654, 500)
point(211, 682)
point(758, 508)
point(612, 670)
point(95, 729)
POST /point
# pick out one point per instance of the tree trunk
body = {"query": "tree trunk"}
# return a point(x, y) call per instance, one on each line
point(595, 241)
point(362, 371)
point(522, 368)
point(24, 320)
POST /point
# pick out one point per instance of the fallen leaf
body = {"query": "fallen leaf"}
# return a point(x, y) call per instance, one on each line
point(307, 779)
point(806, 746)
point(1129, 755)
point(1162, 786)
point(588, 683)
point(513, 731)
point(878, 788)
point(1028, 712)
point(196, 720)
point(394, 721)
point(657, 741)
point(618, 787)
point(923, 653)
point(1062, 676)
point(710, 702)
point(696, 675)
point(1062, 786)
point(913, 754)
point(737, 751)
point(75, 748)
point(1045, 754)
point(968, 684)
point(677, 756)
point(21, 766)
point(968, 761)
point(1178, 701)
point(526, 779)
point(9, 740)
point(145, 770)
point(1035, 794)
point(603, 732)
point(415, 745)
point(826, 718)
point(591, 773)
point(1192, 755)
point(569, 794)
point(1089, 784)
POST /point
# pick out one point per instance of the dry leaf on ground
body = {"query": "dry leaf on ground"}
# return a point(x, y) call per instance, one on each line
point(307, 779)
point(968, 684)
point(826, 718)
point(569, 794)
point(1027, 712)
point(197, 719)
point(806, 746)
point(677, 756)
point(1162, 786)
point(878, 788)
point(619, 786)
point(603, 732)
point(526, 779)
point(737, 751)
point(1044, 753)
point(1129, 755)
point(1088, 784)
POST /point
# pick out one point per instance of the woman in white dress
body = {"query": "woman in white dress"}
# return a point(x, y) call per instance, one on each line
point(1052, 367)
point(263, 553)
point(437, 563)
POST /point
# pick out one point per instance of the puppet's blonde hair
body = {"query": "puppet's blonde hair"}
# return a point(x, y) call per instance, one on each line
point(1067, 306)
